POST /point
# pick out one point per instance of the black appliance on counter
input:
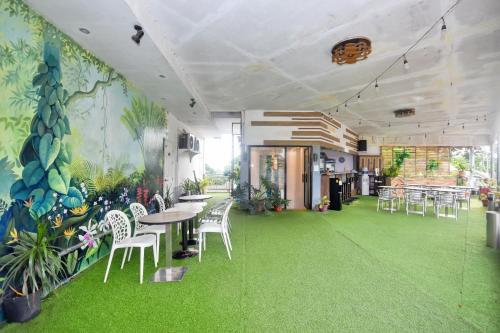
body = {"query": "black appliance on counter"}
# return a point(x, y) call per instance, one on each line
point(335, 194)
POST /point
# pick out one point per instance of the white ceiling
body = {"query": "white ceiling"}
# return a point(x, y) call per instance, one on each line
point(269, 54)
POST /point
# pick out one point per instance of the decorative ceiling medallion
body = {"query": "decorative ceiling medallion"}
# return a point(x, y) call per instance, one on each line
point(351, 50)
point(402, 113)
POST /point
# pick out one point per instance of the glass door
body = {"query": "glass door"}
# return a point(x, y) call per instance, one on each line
point(307, 177)
point(268, 163)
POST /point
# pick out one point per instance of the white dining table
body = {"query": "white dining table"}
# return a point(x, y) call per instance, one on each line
point(187, 227)
point(195, 197)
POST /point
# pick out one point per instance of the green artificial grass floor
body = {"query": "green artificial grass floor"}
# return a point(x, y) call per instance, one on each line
point(300, 271)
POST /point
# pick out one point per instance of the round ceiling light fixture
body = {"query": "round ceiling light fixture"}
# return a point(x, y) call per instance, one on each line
point(84, 30)
point(351, 50)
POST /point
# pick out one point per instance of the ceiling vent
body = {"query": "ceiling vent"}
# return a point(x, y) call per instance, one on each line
point(403, 113)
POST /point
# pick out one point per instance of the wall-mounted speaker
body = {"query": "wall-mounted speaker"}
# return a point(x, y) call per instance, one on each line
point(361, 145)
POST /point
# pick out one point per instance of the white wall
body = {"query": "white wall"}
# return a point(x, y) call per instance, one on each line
point(178, 165)
point(348, 164)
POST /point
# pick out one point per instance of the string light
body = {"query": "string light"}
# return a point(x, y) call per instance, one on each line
point(418, 126)
point(477, 118)
point(337, 109)
point(463, 126)
point(359, 97)
point(389, 124)
point(443, 29)
point(443, 131)
point(448, 123)
point(406, 64)
point(376, 86)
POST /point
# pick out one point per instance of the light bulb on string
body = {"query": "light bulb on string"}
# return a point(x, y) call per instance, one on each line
point(359, 122)
point(443, 29)
point(463, 126)
point(406, 64)
point(418, 126)
point(443, 131)
point(337, 109)
point(425, 135)
point(448, 123)
point(389, 124)
point(477, 118)
point(484, 117)
point(377, 89)
point(359, 97)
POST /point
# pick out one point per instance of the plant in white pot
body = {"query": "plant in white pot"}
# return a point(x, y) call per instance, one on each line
point(32, 266)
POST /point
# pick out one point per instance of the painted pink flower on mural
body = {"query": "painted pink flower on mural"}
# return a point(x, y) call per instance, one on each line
point(88, 238)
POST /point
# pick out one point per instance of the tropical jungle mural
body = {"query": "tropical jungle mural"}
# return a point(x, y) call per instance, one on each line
point(76, 139)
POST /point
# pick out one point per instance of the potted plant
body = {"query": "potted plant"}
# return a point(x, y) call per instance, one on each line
point(461, 164)
point(277, 202)
point(257, 199)
point(188, 187)
point(397, 163)
point(323, 205)
point(32, 266)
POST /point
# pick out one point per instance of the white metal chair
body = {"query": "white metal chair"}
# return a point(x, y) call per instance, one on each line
point(212, 227)
point(464, 197)
point(447, 201)
point(139, 211)
point(120, 225)
point(415, 199)
point(386, 196)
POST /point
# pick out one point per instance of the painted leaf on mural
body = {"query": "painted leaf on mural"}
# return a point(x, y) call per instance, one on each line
point(32, 173)
point(56, 181)
point(48, 150)
point(43, 206)
point(73, 199)
point(19, 191)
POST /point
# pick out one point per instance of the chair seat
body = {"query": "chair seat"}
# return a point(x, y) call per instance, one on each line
point(138, 241)
point(210, 227)
point(152, 229)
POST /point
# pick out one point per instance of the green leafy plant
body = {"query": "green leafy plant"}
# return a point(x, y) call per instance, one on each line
point(44, 156)
point(204, 183)
point(168, 198)
point(432, 166)
point(460, 163)
point(397, 164)
point(275, 200)
point(33, 263)
point(188, 186)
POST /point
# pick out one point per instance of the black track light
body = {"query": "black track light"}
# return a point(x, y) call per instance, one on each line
point(138, 34)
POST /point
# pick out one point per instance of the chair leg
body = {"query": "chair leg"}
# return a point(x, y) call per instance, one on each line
point(226, 244)
point(130, 253)
point(141, 269)
point(109, 264)
point(229, 241)
point(124, 257)
point(200, 247)
point(204, 241)
point(155, 254)
point(378, 204)
point(158, 246)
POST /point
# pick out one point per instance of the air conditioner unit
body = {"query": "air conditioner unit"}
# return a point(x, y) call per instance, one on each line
point(186, 141)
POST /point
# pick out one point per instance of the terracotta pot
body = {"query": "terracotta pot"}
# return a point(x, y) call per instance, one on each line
point(278, 209)
point(485, 202)
point(324, 208)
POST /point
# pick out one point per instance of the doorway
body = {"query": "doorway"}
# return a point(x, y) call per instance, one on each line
point(288, 169)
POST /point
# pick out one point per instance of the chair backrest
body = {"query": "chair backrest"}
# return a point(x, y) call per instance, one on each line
point(446, 198)
point(120, 225)
point(415, 196)
point(462, 195)
point(385, 193)
point(138, 211)
point(225, 216)
point(160, 201)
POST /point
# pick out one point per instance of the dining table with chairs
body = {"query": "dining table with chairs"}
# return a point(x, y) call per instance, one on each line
point(149, 227)
point(416, 196)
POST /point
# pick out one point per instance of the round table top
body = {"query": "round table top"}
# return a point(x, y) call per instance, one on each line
point(167, 217)
point(190, 204)
point(186, 208)
point(195, 197)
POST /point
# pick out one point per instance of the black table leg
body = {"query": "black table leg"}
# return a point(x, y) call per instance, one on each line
point(191, 239)
point(185, 252)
